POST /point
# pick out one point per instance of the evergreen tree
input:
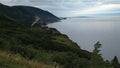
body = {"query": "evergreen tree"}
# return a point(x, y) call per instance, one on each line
point(96, 59)
point(115, 62)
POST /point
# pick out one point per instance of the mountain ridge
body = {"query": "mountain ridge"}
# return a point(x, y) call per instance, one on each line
point(26, 14)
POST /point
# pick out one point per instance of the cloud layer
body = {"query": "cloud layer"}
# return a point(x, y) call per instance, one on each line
point(71, 7)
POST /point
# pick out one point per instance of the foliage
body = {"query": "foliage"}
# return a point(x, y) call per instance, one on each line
point(46, 46)
point(115, 63)
point(96, 60)
point(26, 14)
point(8, 60)
point(70, 60)
point(41, 44)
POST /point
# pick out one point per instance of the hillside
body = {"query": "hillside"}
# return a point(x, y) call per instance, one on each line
point(22, 46)
point(38, 44)
point(27, 14)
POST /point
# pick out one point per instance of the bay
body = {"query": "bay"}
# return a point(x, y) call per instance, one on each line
point(87, 31)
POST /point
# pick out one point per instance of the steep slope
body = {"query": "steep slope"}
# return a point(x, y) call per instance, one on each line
point(44, 15)
point(39, 45)
point(26, 14)
point(42, 47)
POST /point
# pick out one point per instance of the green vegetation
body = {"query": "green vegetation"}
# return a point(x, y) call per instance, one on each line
point(26, 14)
point(37, 47)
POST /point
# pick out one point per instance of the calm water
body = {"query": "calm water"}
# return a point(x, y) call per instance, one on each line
point(87, 31)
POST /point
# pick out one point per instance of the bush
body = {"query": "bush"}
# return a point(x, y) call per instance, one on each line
point(70, 60)
point(26, 52)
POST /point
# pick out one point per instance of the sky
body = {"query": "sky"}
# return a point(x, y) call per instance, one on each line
point(69, 8)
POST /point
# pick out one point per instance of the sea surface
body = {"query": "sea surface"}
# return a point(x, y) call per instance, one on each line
point(87, 31)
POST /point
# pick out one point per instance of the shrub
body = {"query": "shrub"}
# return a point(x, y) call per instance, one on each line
point(26, 52)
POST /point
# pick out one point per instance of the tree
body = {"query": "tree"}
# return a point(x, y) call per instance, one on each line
point(97, 47)
point(96, 59)
point(115, 62)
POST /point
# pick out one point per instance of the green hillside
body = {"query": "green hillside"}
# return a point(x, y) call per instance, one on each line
point(27, 14)
point(22, 46)
point(41, 45)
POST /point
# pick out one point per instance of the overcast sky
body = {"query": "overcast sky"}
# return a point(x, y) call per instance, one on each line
point(71, 7)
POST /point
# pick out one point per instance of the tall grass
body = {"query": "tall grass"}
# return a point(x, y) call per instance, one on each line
point(20, 61)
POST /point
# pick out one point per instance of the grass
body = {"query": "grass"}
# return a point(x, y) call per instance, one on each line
point(65, 41)
point(8, 60)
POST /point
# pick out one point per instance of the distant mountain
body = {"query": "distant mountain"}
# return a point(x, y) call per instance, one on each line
point(83, 17)
point(109, 14)
point(27, 14)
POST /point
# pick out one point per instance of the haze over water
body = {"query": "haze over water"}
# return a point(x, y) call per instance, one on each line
point(87, 31)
